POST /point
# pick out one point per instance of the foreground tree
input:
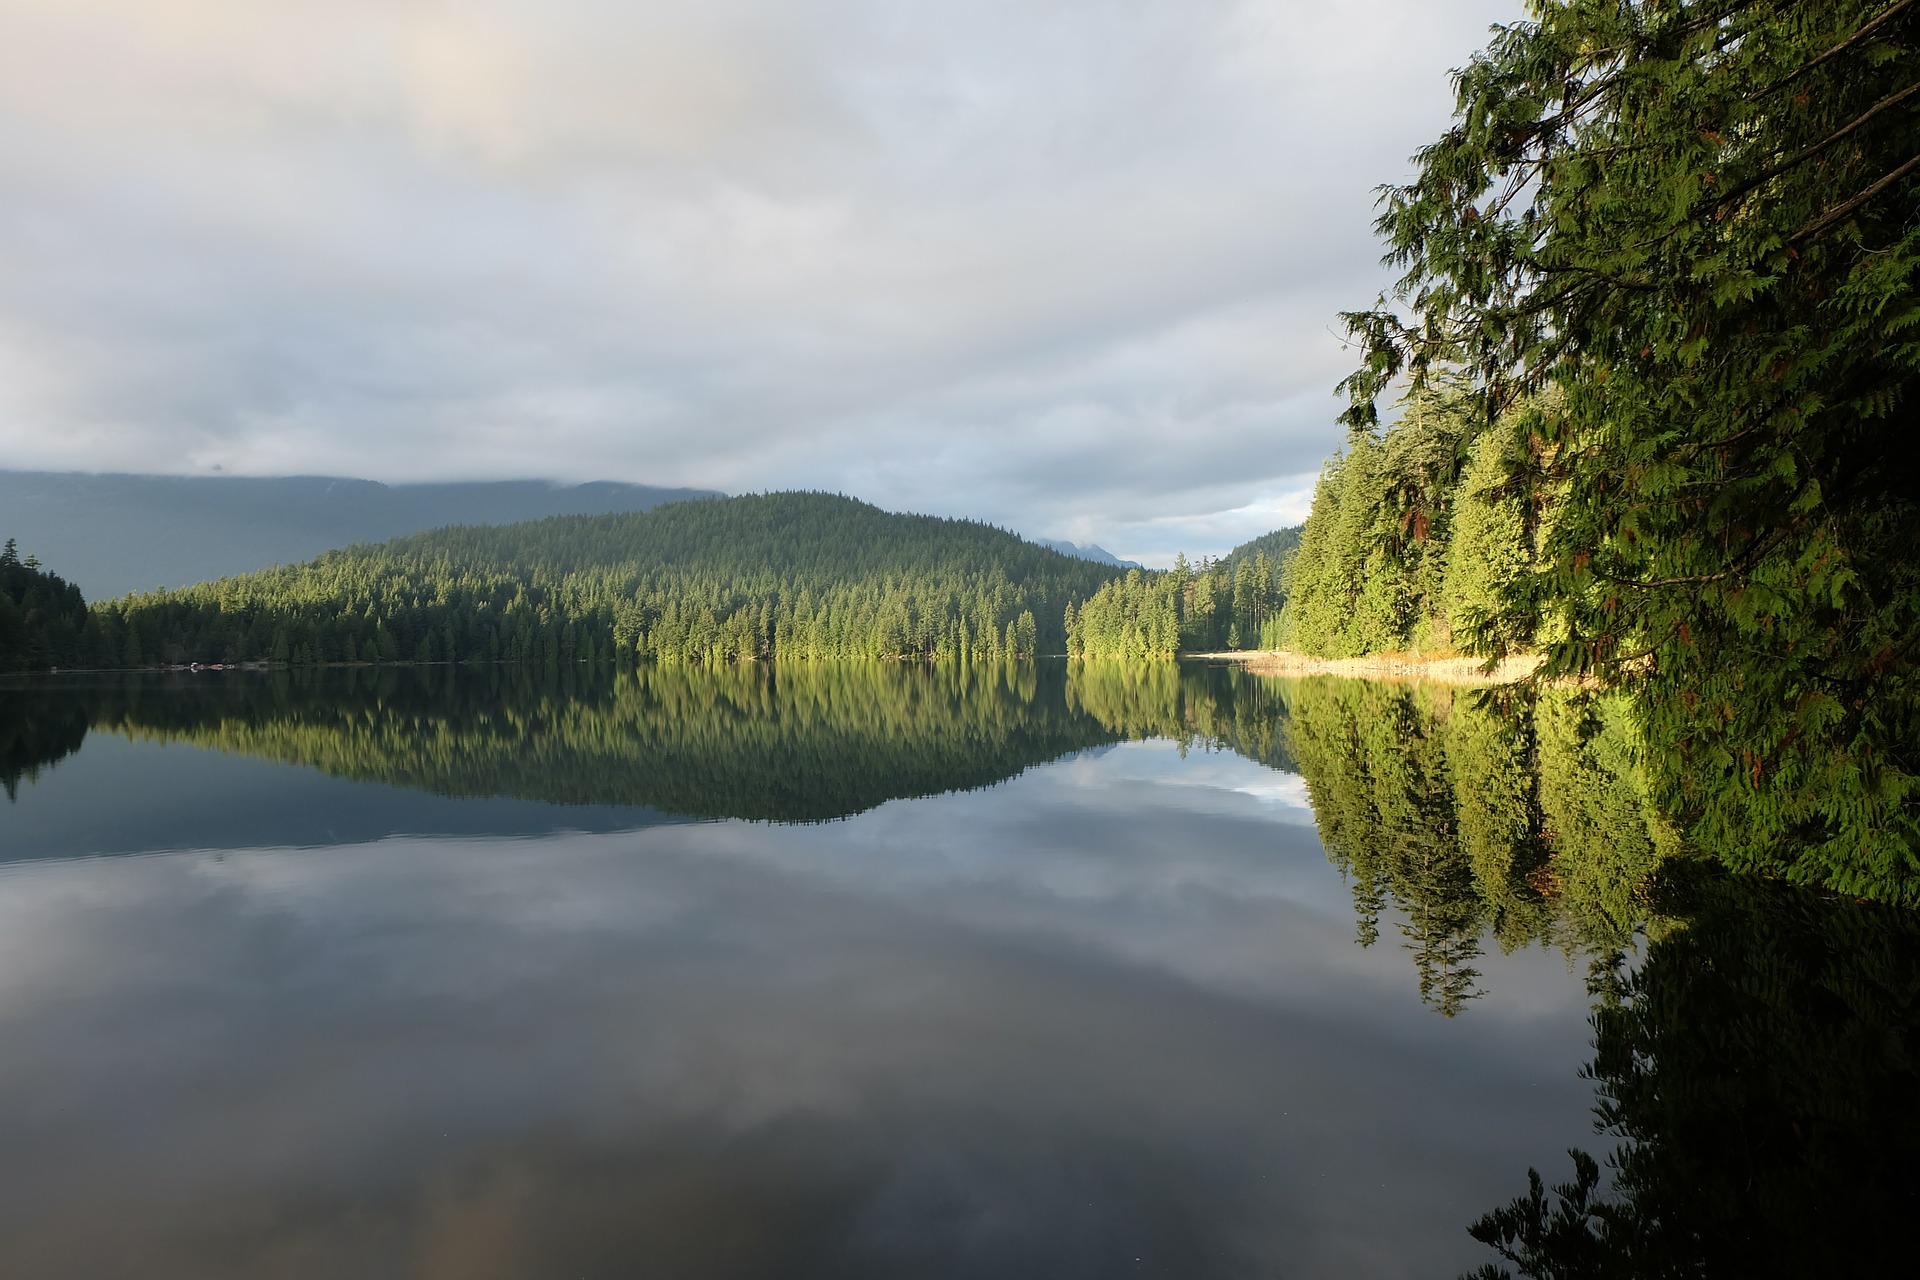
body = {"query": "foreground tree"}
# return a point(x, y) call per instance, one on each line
point(1694, 222)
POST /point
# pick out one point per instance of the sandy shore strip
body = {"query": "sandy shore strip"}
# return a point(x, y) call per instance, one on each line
point(1380, 666)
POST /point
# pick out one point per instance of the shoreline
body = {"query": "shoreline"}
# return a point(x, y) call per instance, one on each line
point(1380, 666)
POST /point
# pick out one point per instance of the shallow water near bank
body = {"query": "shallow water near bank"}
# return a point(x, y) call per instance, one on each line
point(836, 972)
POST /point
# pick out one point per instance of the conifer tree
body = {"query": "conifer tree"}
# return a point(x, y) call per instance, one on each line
point(1698, 223)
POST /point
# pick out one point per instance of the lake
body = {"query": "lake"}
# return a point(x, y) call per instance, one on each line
point(876, 970)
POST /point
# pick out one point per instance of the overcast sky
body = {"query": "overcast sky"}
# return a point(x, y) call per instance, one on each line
point(1071, 266)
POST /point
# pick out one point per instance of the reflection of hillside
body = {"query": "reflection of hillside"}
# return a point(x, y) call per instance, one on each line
point(799, 742)
point(1531, 825)
point(1759, 1069)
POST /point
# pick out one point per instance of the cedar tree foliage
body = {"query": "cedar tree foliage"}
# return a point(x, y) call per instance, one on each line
point(1695, 222)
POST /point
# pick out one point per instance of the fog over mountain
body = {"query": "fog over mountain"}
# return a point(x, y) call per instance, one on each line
point(112, 534)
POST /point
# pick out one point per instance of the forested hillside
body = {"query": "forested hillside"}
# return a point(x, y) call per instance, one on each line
point(784, 574)
point(1278, 547)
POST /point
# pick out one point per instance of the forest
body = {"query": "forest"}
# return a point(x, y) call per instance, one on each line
point(43, 619)
point(1215, 605)
point(1653, 332)
point(1413, 544)
point(789, 575)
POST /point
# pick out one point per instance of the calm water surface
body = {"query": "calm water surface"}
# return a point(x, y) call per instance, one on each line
point(821, 972)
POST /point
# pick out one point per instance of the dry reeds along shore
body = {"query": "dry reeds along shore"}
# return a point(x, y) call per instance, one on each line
point(1384, 666)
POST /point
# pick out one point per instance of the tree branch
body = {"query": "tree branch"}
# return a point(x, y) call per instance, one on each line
point(1807, 152)
point(1836, 51)
point(1838, 212)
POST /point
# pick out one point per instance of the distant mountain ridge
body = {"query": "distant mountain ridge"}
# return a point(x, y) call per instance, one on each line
point(1097, 554)
point(112, 533)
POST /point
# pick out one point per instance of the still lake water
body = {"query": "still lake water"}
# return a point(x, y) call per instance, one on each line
point(823, 971)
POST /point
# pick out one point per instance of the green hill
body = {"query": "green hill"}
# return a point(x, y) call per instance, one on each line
point(782, 574)
point(1278, 545)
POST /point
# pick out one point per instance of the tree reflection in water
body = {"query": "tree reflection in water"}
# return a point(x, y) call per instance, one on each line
point(1754, 1043)
point(1758, 1070)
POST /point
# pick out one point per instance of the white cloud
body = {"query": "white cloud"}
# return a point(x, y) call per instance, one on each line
point(1065, 265)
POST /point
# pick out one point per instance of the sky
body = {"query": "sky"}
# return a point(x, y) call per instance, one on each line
point(1073, 267)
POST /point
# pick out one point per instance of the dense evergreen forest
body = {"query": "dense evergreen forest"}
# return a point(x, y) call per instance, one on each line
point(804, 575)
point(1204, 608)
point(43, 619)
point(794, 575)
point(1277, 547)
point(1656, 318)
point(1413, 544)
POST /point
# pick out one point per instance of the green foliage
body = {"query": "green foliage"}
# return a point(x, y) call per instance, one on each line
point(1757, 1069)
point(1137, 616)
point(1488, 556)
point(789, 575)
point(1697, 224)
point(43, 618)
point(1409, 542)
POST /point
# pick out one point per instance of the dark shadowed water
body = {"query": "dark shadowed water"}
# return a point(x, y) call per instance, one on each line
point(824, 971)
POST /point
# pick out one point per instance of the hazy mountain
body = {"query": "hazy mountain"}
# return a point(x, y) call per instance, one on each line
point(1097, 554)
point(117, 533)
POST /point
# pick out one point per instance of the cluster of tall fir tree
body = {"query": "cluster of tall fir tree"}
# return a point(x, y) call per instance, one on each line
point(1668, 254)
point(1230, 603)
point(1414, 542)
point(43, 619)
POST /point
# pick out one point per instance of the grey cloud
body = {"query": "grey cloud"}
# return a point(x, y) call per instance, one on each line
point(1068, 266)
